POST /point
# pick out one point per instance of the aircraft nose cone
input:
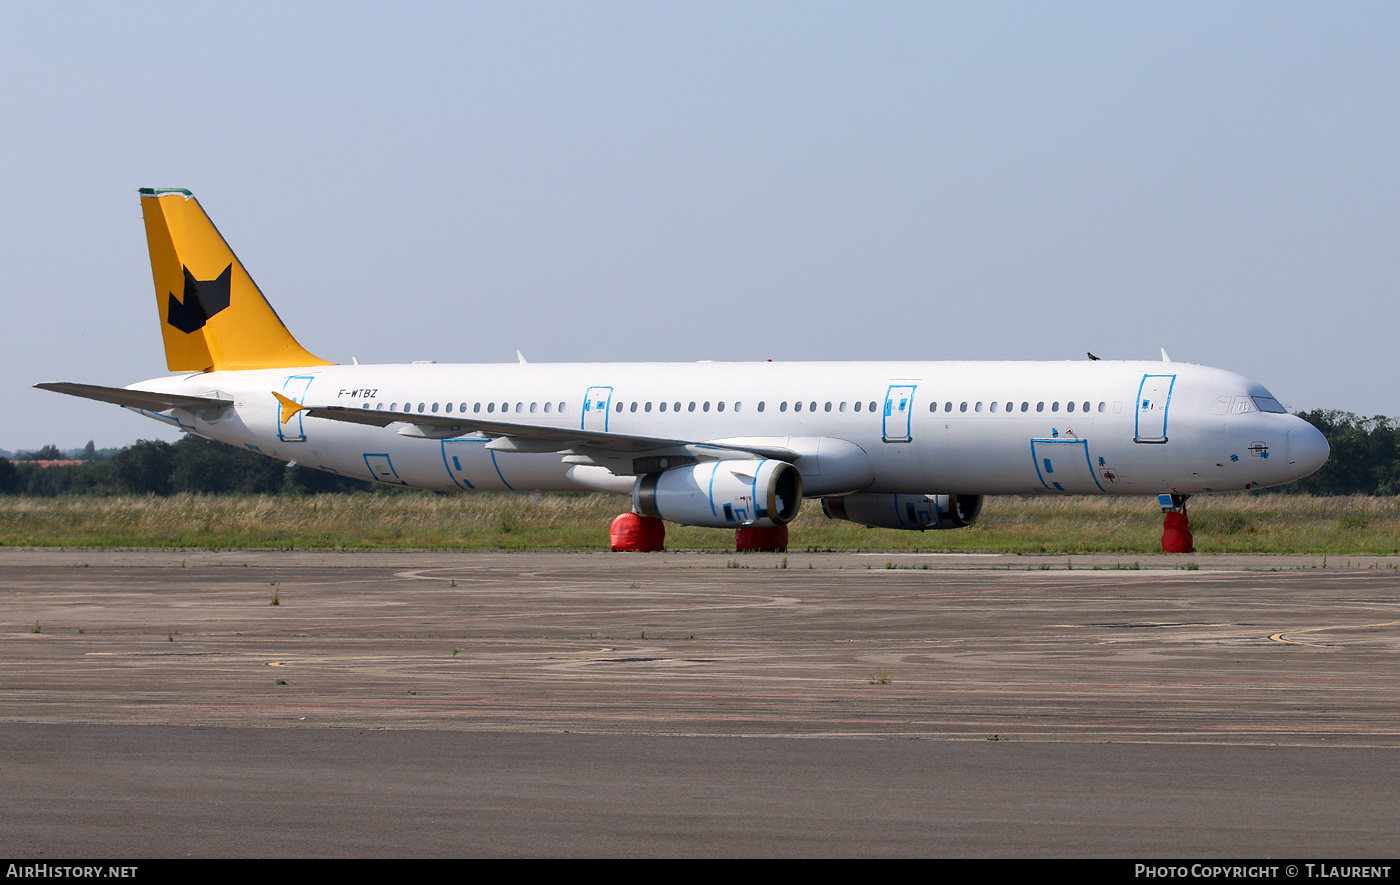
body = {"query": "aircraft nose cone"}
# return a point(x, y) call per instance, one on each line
point(1307, 450)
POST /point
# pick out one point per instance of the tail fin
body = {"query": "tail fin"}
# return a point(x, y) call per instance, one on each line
point(212, 314)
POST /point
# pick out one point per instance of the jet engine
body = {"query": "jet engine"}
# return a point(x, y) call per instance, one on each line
point(918, 513)
point(722, 494)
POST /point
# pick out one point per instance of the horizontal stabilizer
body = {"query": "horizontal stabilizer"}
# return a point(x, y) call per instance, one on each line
point(136, 399)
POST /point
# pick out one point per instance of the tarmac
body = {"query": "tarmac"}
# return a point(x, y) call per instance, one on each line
point(419, 703)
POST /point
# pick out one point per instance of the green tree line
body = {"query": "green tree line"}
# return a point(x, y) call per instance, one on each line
point(154, 467)
point(1365, 461)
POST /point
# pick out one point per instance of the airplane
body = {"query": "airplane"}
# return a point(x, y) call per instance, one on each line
point(899, 445)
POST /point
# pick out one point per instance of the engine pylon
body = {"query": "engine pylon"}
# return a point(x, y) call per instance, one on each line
point(768, 540)
point(634, 533)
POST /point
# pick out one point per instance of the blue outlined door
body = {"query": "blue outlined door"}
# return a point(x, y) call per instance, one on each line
point(1063, 465)
point(473, 467)
point(899, 408)
point(294, 388)
point(382, 469)
point(597, 406)
point(1154, 397)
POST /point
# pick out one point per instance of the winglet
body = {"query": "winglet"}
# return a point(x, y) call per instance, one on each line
point(289, 408)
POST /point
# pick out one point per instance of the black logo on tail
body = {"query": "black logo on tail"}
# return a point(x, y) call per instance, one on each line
point(203, 299)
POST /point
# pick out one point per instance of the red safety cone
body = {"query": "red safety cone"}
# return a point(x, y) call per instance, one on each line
point(632, 532)
point(774, 540)
point(1176, 534)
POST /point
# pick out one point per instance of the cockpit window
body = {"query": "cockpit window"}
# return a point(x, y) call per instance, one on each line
point(1269, 404)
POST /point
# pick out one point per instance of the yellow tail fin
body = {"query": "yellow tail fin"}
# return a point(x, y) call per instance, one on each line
point(212, 314)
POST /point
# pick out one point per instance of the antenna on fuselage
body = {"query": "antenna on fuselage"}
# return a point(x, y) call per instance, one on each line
point(1165, 358)
point(1091, 356)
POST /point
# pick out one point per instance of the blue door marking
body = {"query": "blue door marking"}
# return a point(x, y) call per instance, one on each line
point(899, 409)
point(1069, 454)
point(294, 388)
point(597, 407)
point(382, 469)
point(1154, 398)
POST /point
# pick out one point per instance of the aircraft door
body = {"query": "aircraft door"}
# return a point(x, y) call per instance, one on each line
point(294, 388)
point(1063, 465)
point(899, 408)
point(1154, 397)
point(382, 469)
point(597, 406)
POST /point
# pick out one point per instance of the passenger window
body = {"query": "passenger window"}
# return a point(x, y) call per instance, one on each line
point(760, 405)
point(812, 407)
point(1025, 407)
point(634, 407)
point(782, 407)
point(1101, 406)
point(706, 406)
point(828, 407)
point(797, 407)
point(1040, 407)
point(857, 407)
point(561, 408)
point(738, 406)
point(1069, 407)
point(719, 407)
point(646, 408)
point(449, 407)
point(661, 406)
point(1010, 407)
point(977, 408)
point(994, 406)
point(490, 407)
point(843, 407)
point(547, 407)
point(1055, 406)
point(420, 407)
point(962, 408)
point(692, 406)
point(872, 405)
point(532, 408)
point(933, 407)
point(520, 407)
point(619, 407)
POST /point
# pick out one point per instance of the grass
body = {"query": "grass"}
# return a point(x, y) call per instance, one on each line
point(1062, 526)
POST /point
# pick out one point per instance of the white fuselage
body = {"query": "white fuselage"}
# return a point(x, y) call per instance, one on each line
point(1086, 427)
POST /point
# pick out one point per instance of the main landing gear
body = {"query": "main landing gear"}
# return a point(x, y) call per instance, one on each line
point(1176, 530)
point(634, 533)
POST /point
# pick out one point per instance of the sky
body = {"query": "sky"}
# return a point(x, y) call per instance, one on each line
point(729, 181)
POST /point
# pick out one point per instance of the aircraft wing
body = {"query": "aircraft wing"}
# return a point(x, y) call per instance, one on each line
point(136, 399)
point(520, 437)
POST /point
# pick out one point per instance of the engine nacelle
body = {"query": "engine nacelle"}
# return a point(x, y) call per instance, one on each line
point(918, 513)
point(722, 494)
